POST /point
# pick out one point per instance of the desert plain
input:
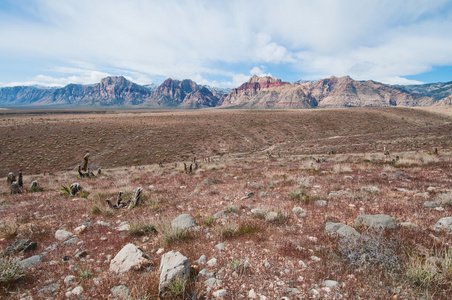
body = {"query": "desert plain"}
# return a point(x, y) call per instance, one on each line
point(265, 190)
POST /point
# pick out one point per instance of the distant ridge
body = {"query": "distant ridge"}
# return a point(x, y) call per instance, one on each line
point(258, 92)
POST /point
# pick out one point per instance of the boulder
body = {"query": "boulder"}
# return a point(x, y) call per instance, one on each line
point(19, 246)
point(173, 266)
point(130, 257)
point(376, 221)
point(31, 262)
point(121, 291)
point(62, 235)
point(444, 224)
point(183, 221)
point(340, 230)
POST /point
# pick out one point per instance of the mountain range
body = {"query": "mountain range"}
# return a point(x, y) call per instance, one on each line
point(257, 92)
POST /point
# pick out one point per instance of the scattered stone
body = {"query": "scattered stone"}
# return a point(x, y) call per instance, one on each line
point(213, 282)
point(408, 225)
point(340, 229)
point(258, 212)
point(271, 217)
point(376, 221)
point(299, 212)
point(62, 235)
point(69, 280)
point(424, 195)
point(102, 223)
point(330, 283)
point(121, 291)
point(124, 226)
point(220, 293)
point(71, 241)
point(321, 203)
point(77, 291)
point(160, 251)
point(257, 186)
point(431, 189)
point(202, 259)
point(183, 221)
point(444, 224)
point(31, 262)
point(291, 291)
point(315, 258)
point(79, 229)
point(81, 254)
point(173, 266)
point(252, 294)
point(212, 262)
point(314, 293)
point(220, 246)
point(220, 214)
point(430, 204)
point(130, 257)
point(370, 189)
point(22, 245)
point(51, 288)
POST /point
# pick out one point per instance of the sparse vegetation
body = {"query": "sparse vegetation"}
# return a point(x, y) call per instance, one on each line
point(9, 269)
point(264, 209)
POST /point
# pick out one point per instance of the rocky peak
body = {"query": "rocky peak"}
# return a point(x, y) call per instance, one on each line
point(113, 80)
point(258, 83)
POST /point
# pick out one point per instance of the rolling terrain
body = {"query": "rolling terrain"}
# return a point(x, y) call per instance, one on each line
point(277, 197)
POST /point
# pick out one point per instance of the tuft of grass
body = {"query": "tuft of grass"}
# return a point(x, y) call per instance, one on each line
point(10, 269)
point(65, 189)
point(240, 267)
point(84, 194)
point(85, 274)
point(9, 229)
point(170, 234)
point(141, 228)
point(232, 209)
point(95, 210)
point(208, 221)
point(177, 287)
point(431, 272)
point(229, 230)
point(302, 195)
point(248, 228)
point(372, 249)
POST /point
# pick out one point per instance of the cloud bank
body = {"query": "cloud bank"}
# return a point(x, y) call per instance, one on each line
point(222, 42)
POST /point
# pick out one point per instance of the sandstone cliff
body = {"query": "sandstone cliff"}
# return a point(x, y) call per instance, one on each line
point(329, 92)
point(185, 93)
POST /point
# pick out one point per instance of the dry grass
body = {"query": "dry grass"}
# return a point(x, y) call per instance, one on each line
point(285, 251)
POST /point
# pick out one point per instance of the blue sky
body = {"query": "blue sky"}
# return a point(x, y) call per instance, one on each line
point(223, 43)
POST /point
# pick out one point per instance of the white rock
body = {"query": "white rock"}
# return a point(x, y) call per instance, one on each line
point(220, 293)
point(183, 221)
point(69, 280)
point(62, 235)
point(130, 257)
point(77, 291)
point(252, 294)
point(212, 262)
point(124, 226)
point(330, 283)
point(173, 266)
point(160, 251)
point(80, 229)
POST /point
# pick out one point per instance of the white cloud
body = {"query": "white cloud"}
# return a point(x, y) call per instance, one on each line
point(372, 39)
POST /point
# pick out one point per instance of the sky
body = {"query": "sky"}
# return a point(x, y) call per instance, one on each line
point(223, 43)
